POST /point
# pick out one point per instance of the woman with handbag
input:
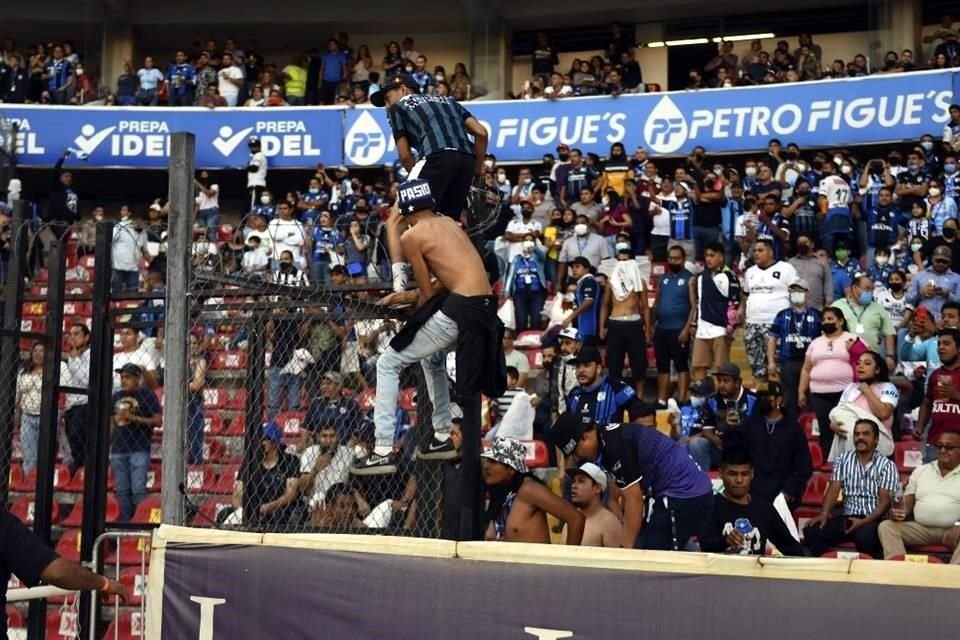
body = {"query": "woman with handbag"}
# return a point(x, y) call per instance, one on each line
point(827, 371)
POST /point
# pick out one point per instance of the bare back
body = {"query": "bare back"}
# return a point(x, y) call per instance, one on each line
point(602, 529)
point(449, 254)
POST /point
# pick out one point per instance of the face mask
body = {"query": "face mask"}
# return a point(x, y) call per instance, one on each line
point(846, 169)
point(798, 298)
point(675, 268)
point(696, 403)
point(314, 190)
point(949, 232)
point(865, 298)
point(488, 164)
point(439, 77)
point(718, 170)
point(803, 249)
point(527, 246)
point(896, 287)
point(933, 192)
point(526, 180)
point(580, 229)
point(622, 246)
point(882, 261)
point(842, 255)
point(949, 167)
point(501, 177)
point(409, 69)
point(764, 406)
point(828, 327)
point(913, 166)
point(563, 156)
point(927, 145)
point(916, 246)
point(264, 199)
point(568, 297)
point(838, 160)
point(750, 171)
point(893, 161)
point(526, 213)
point(605, 200)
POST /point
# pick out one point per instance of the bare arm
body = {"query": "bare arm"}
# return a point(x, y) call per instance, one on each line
point(542, 498)
point(405, 154)
point(605, 311)
point(480, 140)
point(69, 575)
point(199, 376)
point(880, 409)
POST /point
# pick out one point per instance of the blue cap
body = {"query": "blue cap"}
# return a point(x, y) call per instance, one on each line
point(273, 432)
point(413, 196)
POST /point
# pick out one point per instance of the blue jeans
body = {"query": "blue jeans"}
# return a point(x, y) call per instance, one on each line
point(29, 440)
point(195, 431)
point(429, 347)
point(704, 453)
point(148, 97)
point(277, 382)
point(528, 305)
point(702, 236)
point(130, 477)
point(185, 100)
point(320, 272)
point(124, 281)
point(210, 219)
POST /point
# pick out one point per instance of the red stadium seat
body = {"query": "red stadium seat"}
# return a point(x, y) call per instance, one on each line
point(538, 455)
point(290, 422)
point(148, 511)
point(129, 551)
point(534, 358)
point(807, 421)
point(88, 261)
point(214, 398)
point(33, 309)
point(135, 582)
point(69, 545)
point(128, 625)
point(214, 452)
point(238, 400)
point(408, 399)
point(62, 623)
point(61, 477)
point(75, 519)
point(367, 398)
point(935, 549)
point(200, 479)
point(21, 482)
point(908, 455)
point(847, 555)
point(212, 423)
point(209, 511)
point(154, 478)
point(816, 454)
point(24, 507)
point(74, 308)
point(228, 476)
point(816, 488)
point(235, 426)
point(15, 621)
point(225, 232)
point(230, 361)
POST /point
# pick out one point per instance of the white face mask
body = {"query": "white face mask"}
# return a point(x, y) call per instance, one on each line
point(750, 171)
point(528, 246)
point(488, 164)
point(526, 180)
point(314, 190)
point(605, 200)
point(622, 246)
point(264, 199)
point(846, 169)
point(933, 192)
point(501, 177)
point(798, 298)
point(580, 229)
point(882, 261)
point(439, 77)
point(916, 246)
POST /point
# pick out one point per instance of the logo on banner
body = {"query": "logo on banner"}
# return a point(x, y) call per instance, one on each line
point(229, 141)
point(89, 138)
point(365, 143)
point(666, 128)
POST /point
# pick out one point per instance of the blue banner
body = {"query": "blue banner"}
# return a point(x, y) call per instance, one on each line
point(812, 114)
point(139, 137)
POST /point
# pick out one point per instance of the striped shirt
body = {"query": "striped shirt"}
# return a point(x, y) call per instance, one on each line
point(861, 485)
point(605, 402)
point(681, 220)
point(794, 332)
point(431, 124)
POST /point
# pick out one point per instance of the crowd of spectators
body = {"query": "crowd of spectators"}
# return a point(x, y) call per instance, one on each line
point(212, 74)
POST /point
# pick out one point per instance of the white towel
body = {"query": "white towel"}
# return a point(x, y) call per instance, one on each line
point(626, 279)
point(847, 415)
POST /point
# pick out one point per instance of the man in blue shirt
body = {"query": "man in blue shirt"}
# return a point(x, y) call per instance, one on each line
point(936, 284)
point(645, 464)
point(422, 77)
point(136, 413)
point(843, 270)
point(61, 80)
point(333, 70)
point(673, 318)
point(181, 79)
point(790, 334)
point(585, 316)
point(598, 397)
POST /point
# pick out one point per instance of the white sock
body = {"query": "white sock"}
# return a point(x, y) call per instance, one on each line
point(382, 451)
point(441, 437)
point(400, 275)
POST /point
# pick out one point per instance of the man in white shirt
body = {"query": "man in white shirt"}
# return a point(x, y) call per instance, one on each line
point(520, 227)
point(208, 203)
point(287, 234)
point(767, 286)
point(323, 463)
point(229, 80)
point(256, 171)
point(75, 372)
point(514, 358)
point(835, 192)
point(129, 245)
point(932, 499)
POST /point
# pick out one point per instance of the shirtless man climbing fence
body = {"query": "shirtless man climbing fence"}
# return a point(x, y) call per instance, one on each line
point(455, 309)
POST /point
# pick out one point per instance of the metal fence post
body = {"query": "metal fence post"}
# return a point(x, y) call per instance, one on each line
point(176, 326)
point(9, 340)
point(253, 411)
point(471, 491)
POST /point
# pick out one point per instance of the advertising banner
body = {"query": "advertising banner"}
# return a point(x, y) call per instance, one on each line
point(138, 137)
point(214, 591)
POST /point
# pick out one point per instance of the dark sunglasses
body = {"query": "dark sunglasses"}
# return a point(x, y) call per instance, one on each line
point(946, 447)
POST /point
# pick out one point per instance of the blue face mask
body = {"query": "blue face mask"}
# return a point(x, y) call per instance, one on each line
point(949, 168)
point(866, 297)
point(696, 402)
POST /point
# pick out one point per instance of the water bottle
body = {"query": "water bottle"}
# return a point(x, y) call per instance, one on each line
point(688, 417)
point(744, 526)
point(896, 504)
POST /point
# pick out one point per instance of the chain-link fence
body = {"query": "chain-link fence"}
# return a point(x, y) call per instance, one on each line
point(280, 381)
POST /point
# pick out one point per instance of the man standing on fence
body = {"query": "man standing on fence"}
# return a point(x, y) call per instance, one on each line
point(24, 555)
point(440, 129)
point(457, 310)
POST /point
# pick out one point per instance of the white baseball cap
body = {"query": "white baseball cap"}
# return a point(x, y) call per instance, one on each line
point(593, 471)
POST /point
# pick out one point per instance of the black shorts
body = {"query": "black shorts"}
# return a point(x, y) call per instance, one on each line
point(668, 350)
point(449, 174)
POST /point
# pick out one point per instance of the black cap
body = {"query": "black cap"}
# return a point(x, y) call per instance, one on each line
point(588, 355)
point(640, 409)
point(770, 389)
point(583, 262)
point(566, 431)
point(703, 388)
point(130, 368)
point(393, 82)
